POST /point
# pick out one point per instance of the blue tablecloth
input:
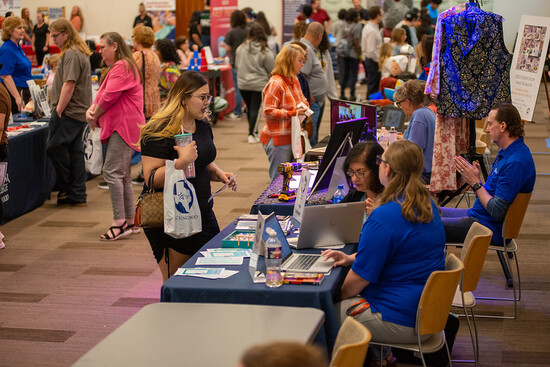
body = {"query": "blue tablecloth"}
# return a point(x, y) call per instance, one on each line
point(31, 175)
point(240, 289)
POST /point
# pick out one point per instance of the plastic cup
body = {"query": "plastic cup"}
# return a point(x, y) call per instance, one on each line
point(183, 140)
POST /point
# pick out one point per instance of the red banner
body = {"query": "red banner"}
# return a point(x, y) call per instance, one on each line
point(220, 14)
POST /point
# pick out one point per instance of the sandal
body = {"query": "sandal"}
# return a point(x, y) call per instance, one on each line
point(123, 230)
point(135, 229)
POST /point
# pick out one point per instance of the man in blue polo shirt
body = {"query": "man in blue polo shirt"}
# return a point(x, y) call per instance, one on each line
point(513, 172)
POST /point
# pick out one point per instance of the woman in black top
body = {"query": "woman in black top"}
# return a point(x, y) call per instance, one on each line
point(362, 171)
point(194, 33)
point(185, 110)
point(143, 17)
point(40, 38)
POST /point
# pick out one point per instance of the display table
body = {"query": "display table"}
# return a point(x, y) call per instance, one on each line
point(266, 204)
point(200, 335)
point(240, 289)
point(31, 175)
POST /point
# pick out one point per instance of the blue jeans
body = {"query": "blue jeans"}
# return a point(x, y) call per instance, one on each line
point(277, 155)
point(457, 223)
point(238, 98)
point(317, 109)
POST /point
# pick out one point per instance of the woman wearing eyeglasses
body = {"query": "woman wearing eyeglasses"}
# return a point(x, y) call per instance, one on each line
point(362, 171)
point(421, 130)
point(185, 110)
point(118, 111)
point(280, 98)
point(401, 244)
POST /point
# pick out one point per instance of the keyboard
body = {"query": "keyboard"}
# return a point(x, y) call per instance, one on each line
point(303, 262)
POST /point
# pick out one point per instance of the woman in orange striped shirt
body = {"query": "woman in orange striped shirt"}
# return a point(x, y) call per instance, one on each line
point(280, 99)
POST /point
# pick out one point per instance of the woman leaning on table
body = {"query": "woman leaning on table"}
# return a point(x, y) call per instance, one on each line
point(401, 244)
point(280, 99)
point(118, 111)
point(16, 66)
point(185, 110)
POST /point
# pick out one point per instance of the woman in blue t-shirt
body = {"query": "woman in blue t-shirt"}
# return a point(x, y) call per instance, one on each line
point(401, 244)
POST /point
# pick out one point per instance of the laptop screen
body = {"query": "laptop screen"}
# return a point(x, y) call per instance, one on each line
point(393, 117)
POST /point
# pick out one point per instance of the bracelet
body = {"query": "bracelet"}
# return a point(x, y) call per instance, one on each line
point(477, 186)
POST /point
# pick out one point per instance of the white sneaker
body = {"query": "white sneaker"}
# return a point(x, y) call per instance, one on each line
point(253, 139)
point(232, 116)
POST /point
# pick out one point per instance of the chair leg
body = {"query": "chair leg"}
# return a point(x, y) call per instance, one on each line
point(476, 336)
point(474, 340)
point(505, 269)
point(448, 354)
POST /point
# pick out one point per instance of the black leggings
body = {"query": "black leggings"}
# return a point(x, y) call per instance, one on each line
point(253, 101)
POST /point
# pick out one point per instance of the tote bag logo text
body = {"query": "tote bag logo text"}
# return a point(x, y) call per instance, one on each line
point(183, 197)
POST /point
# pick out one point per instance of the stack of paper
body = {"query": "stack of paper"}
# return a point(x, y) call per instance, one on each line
point(207, 273)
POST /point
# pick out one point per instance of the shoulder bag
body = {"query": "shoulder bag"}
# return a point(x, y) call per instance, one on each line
point(150, 206)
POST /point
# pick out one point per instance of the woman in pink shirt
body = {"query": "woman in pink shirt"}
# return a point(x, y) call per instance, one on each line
point(118, 111)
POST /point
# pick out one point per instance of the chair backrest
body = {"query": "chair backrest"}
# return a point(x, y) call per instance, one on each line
point(473, 255)
point(437, 297)
point(352, 342)
point(514, 217)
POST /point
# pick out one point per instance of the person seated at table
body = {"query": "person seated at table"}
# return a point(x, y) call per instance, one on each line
point(185, 110)
point(401, 244)
point(283, 354)
point(362, 171)
point(421, 130)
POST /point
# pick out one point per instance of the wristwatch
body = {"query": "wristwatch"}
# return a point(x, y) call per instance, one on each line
point(477, 186)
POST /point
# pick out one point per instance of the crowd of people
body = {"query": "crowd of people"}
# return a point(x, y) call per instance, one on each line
point(146, 97)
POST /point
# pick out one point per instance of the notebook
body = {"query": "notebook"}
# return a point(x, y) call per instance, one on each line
point(331, 224)
point(308, 263)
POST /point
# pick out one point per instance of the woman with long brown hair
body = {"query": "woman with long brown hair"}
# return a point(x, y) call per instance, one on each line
point(118, 110)
point(401, 244)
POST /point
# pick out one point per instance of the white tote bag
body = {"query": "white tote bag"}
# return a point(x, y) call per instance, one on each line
point(182, 214)
point(93, 154)
point(295, 137)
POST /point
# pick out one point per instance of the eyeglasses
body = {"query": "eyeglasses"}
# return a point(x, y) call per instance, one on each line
point(398, 103)
point(379, 160)
point(54, 36)
point(205, 98)
point(358, 174)
point(302, 61)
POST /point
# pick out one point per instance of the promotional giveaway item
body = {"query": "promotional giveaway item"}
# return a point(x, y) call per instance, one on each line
point(93, 155)
point(182, 215)
point(150, 206)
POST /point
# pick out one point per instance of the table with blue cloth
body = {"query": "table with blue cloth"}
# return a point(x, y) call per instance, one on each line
point(31, 175)
point(240, 289)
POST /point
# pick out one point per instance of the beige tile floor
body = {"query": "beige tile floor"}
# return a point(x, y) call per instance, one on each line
point(62, 290)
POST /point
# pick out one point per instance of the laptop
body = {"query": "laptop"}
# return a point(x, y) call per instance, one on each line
point(292, 262)
point(393, 117)
point(331, 224)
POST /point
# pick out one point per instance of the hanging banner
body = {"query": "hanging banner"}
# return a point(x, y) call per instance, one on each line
point(528, 63)
point(291, 9)
point(163, 15)
point(220, 15)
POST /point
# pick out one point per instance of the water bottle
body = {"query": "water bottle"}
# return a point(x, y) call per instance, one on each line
point(393, 135)
point(339, 194)
point(383, 138)
point(274, 254)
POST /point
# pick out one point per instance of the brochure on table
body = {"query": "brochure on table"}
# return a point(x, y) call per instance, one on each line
point(301, 195)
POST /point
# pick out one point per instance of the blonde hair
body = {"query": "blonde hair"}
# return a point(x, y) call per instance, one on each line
point(73, 40)
point(386, 51)
point(54, 60)
point(78, 14)
point(284, 62)
point(406, 162)
point(167, 121)
point(9, 25)
point(284, 354)
point(144, 36)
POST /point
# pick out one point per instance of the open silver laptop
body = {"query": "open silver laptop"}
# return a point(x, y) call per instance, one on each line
point(332, 224)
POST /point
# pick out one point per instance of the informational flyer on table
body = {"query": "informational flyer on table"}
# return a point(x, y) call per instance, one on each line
point(220, 16)
point(528, 63)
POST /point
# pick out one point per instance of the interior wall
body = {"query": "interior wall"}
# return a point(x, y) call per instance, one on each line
point(102, 15)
